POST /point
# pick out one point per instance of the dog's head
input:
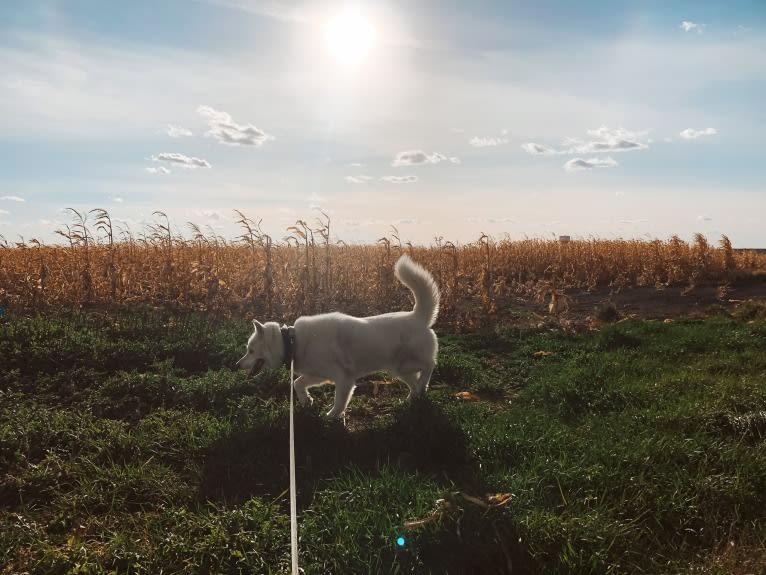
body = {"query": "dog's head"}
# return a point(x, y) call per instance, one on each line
point(264, 348)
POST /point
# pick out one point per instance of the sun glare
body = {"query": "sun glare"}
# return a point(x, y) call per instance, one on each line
point(349, 38)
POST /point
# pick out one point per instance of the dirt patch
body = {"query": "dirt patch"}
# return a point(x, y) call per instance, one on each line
point(653, 303)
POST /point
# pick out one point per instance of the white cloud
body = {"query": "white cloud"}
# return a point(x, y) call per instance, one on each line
point(691, 26)
point(159, 170)
point(692, 134)
point(704, 218)
point(181, 160)
point(176, 131)
point(487, 142)
point(224, 129)
point(4, 213)
point(400, 179)
point(117, 200)
point(538, 149)
point(578, 164)
point(604, 140)
point(12, 199)
point(419, 158)
point(608, 140)
point(360, 179)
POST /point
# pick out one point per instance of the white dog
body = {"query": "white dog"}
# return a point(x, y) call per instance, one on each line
point(341, 348)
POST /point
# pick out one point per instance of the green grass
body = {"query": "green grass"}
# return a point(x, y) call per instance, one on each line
point(128, 445)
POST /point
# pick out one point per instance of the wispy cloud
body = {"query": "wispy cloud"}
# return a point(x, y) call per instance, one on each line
point(633, 222)
point(538, 149)
point(316, 202)
point(579, 165)
point(408, 221)
point(687, 26)
point(5, 213)
point(400, 179)
point(175, 158)
point(692, 134)
point(704, 218)
point(175, 131)
point(603, 140)
point(474, 220)
point(419, 158)
point(12, 199)
point(157, 170)
point(491, 141)
point(224, 129)
point(361, 179)
point(276, 9)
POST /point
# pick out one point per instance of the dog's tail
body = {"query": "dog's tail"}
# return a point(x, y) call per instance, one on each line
point(422, 286)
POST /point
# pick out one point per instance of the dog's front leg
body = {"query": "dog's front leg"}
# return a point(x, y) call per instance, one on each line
point(301, 386)
point(343, 390)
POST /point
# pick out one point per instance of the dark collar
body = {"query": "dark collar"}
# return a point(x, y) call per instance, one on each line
point(288, 342)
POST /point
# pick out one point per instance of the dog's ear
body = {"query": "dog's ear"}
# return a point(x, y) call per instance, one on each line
point(258, 327)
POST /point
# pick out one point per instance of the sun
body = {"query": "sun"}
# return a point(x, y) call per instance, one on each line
point(349, 37)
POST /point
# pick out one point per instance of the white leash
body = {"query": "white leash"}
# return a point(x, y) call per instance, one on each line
point(293, 512)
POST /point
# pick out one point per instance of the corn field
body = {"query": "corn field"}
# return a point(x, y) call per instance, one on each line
point(306, 272)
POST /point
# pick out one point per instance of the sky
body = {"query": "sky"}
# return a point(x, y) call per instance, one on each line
point(432, 119)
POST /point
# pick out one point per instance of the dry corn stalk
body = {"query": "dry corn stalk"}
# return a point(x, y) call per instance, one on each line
point(256, 276)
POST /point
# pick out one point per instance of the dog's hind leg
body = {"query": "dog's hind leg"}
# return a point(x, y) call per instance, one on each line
point(301, 386)
point(411, 379)
point(421, 385)
point(343, 390)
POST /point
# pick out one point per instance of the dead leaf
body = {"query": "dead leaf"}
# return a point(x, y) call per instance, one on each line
point(499, 499)
point(543, 353)
point(450, 503)
point(467, 396)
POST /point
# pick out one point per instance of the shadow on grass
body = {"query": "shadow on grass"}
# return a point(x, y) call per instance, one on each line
point(253, 460)
point(420, 440)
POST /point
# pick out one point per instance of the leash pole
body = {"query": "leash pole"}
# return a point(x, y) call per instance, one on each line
point(293, 506)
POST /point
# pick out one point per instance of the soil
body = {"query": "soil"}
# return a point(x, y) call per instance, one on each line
point(652, 303)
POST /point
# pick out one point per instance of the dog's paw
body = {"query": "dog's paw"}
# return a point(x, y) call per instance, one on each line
point(305, 399)
point(334, 412)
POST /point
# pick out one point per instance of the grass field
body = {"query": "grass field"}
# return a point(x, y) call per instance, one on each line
point(128, 445)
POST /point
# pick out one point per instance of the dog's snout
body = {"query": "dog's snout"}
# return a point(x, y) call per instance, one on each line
point(251, 365)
